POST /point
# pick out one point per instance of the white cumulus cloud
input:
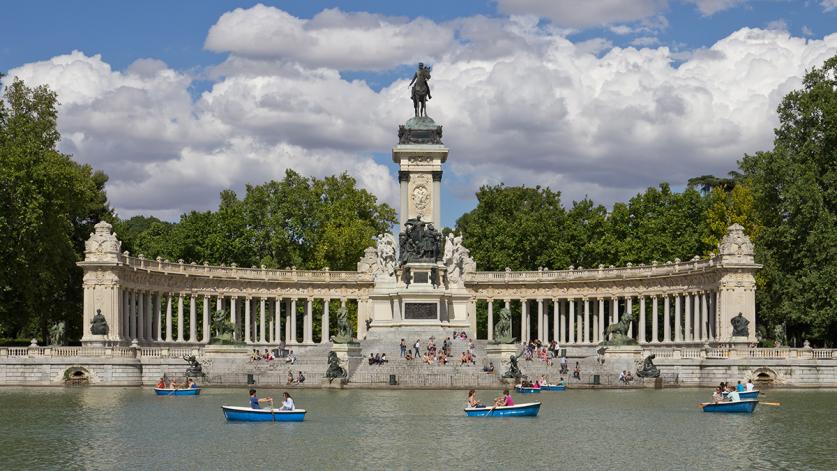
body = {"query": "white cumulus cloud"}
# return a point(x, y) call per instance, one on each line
point(584, 13)
point(333, 38)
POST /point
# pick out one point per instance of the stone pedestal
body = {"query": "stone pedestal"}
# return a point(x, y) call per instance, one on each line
point(350, 356)
point(500, 352)
point(91, 340)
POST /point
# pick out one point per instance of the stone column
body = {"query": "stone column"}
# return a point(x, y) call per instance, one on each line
point(586, 324)
point(545, 324)
point(654, 320)
point(688, 315)
point(193, 318)
point(704, 317)
point(640, 325)
point(571, 315)
point(149, 317)
point(169, 336)
point(325, 322)
point(277, 327)
point(247, 307)
point(293, 321)
point(158, 315)
point(666, 320)
point(677, 332)
point(562, 313)
point(132, 325)
point(490, 325)
point(540, 321)
point(713, 298)
point(602, 320)
point(124, 331)
point(234, 317)
point(309, 322)
point(262, 317)
point(140, 317)
point(556, 321)
point(629, 309)
point(205, 328)
point(507, 303)
point(181, 316)
point(696, 317)
point(288, 320)
point(524, 314)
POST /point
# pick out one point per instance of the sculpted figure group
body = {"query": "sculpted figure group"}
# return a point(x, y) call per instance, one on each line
point(419, 242)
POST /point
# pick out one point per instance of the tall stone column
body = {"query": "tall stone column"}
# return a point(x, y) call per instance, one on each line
point(654, 320)
point(666, 319)
point(158, 316)
point(149, 316)
point(586, 325)
point(181, 319)
point(540, 321)
point(704, 317)
point(677, 330)
point(293, 340)
point(193, 318)
point(562, 313)
point(713, 297)
point(169, 337)
point(262, 317)
point(524, 321)
point(309, 322)
point(629, 309)
point(277, 318)
point(696, 316)
point(545, 323)
point(507, 303)
point(556, 321)
point(140, 317)
point(640, 325)
point(324, 324)
point(132, 315)
point(571, 315)
point(688, 315)
point(234, 318)
point(490, 326)
point(247, 323)
point(602, 320)
point(205, 328)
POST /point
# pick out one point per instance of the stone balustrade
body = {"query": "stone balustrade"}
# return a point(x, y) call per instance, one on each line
point(96, 352)
point(782, 353)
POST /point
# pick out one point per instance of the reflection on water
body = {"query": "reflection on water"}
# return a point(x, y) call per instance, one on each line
point(129, 428)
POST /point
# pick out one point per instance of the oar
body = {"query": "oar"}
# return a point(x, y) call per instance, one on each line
point(770, 403)
point(272, 411)
point(492, 409)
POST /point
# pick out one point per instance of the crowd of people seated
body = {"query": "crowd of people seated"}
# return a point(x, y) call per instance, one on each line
point(441, 355)
point(535, 349)
point(377, 359)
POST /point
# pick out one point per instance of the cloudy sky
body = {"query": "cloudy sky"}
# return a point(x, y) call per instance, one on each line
point(176, 101)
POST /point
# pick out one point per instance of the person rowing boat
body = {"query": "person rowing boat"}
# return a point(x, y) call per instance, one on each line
point(255, 402)
point(504, 400)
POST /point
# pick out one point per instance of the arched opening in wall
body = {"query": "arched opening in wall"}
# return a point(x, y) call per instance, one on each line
point(764, 378)
point(76, 376)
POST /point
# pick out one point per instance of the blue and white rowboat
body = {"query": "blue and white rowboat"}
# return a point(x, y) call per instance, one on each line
point(520, 410)
point(554, 387)
point(177, 392)
point(247, 414)
point(526, 389)
point(754, 394)
point(741, 407)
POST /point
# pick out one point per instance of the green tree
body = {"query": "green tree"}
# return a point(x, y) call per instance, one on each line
point(48, 205)
point(795, 193)
point(515, 227)
point(308, 223)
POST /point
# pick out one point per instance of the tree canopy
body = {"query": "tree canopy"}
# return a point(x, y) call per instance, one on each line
point(794, 194)
point(48, 206)
point(308, 223)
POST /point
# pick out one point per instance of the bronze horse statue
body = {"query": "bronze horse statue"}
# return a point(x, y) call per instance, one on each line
point(420, 90)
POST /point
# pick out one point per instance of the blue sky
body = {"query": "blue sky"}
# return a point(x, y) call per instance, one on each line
point(501, 56)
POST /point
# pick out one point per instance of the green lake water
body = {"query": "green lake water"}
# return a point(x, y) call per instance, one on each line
point(131, 428)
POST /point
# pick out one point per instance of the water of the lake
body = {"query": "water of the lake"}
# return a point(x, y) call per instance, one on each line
point(112, 428)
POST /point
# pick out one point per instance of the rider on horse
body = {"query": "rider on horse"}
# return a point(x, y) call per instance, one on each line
point(421, 88)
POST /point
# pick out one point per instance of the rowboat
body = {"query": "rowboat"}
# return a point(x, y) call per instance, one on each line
point(554, 387)
point(177, 392)
point(520, 410)
point(743, 407)
point(246, 414)
point(526, 389)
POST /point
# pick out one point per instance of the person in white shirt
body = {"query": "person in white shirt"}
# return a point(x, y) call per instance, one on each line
point(750, 386)
point(287, 402)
